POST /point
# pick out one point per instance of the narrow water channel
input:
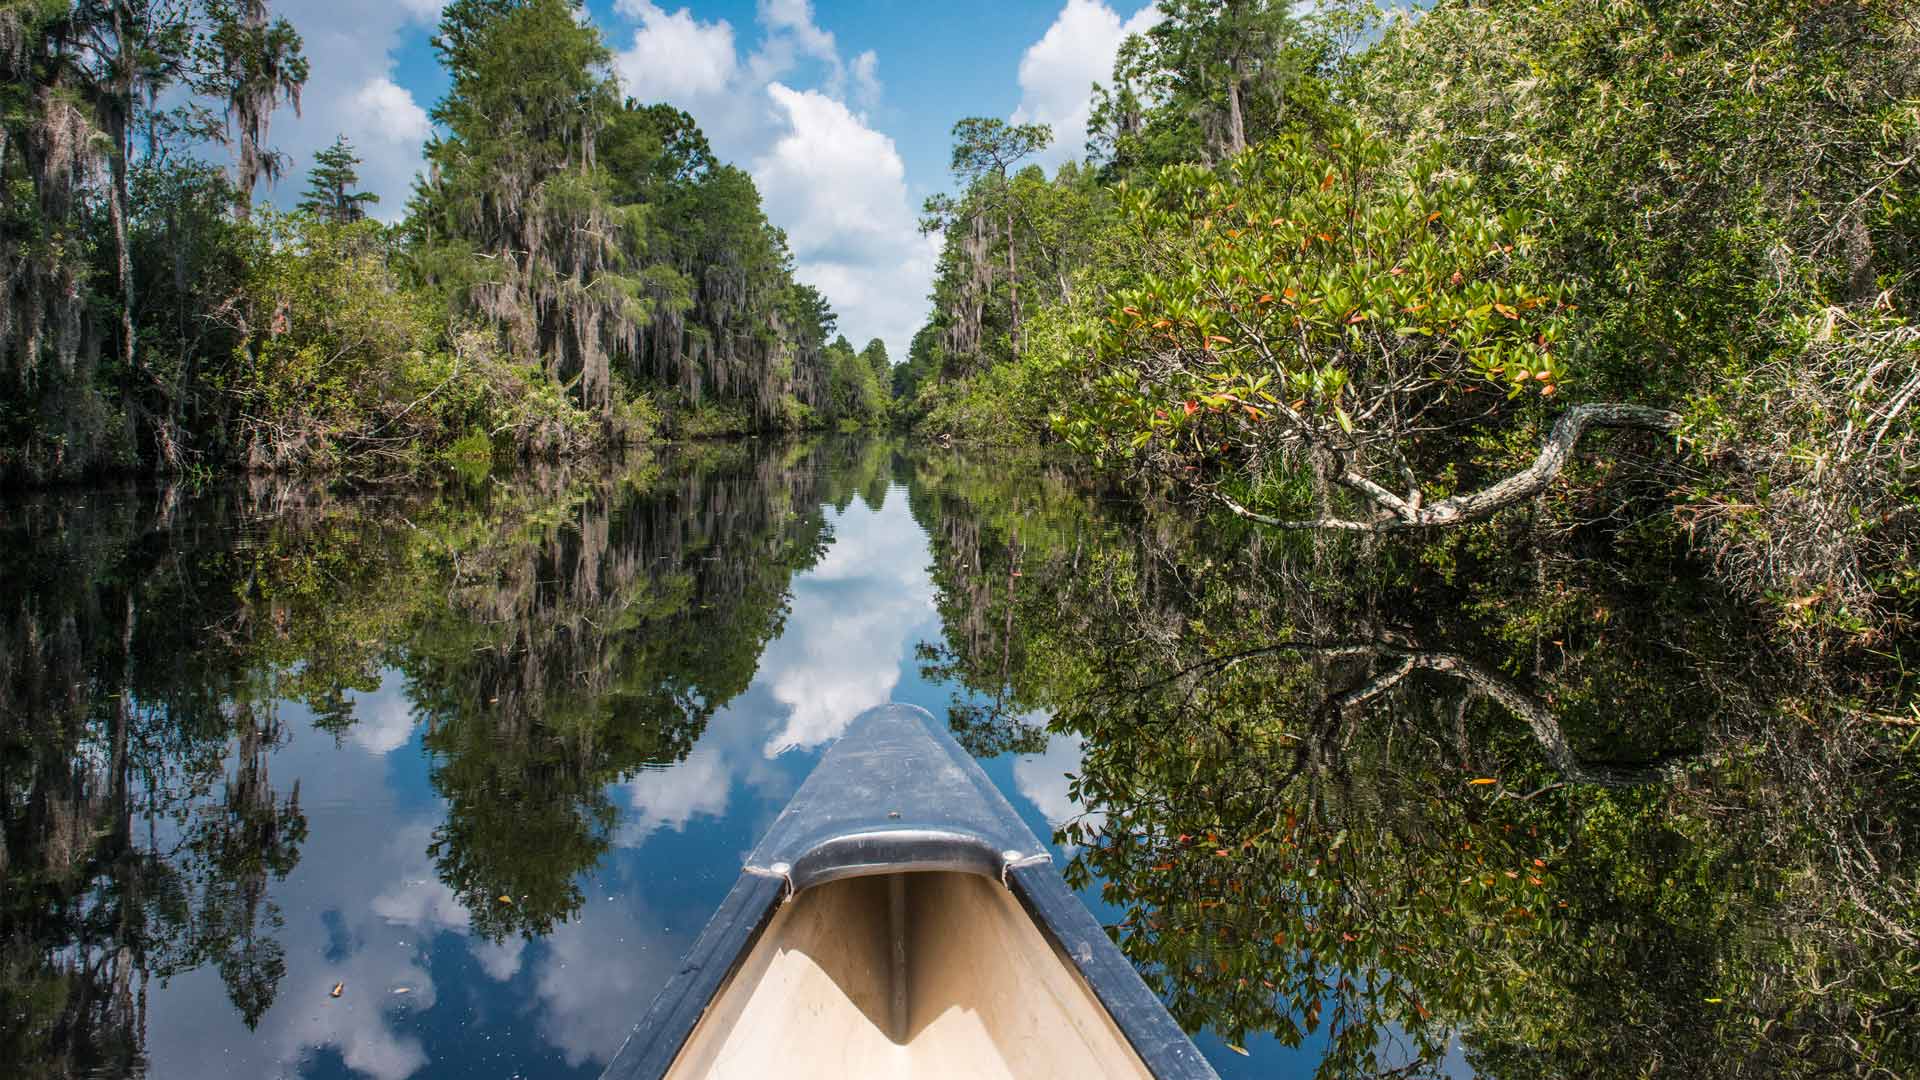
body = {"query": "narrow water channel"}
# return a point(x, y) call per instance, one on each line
point(442, 782)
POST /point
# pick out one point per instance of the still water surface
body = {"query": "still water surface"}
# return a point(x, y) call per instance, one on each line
point(484, 758)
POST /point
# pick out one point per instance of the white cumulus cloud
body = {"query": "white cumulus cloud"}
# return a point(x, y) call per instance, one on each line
point(793, 35)
point(779, 103)
point(351, 91)
point(866, 78)
point(1057, 72)
point(839, 189)
point(793, 110)
point(675, 56)
point(838, 185)
point(387, 113)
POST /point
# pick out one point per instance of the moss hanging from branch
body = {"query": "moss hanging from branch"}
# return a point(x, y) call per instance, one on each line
point(516, 187)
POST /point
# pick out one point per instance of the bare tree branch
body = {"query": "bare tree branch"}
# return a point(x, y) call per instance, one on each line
point(1409, 513)
point(1485, 682)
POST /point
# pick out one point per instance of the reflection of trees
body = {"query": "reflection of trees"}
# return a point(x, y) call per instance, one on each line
point(980, 517)
point(125, 854)
point(558, 631)
point(853, 467)
point(599, 640)
point(1571, 810)
point(250, 837)
point(1385, 665)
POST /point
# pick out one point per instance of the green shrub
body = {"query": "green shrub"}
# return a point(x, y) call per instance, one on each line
point(334, 366)
point(471, 455)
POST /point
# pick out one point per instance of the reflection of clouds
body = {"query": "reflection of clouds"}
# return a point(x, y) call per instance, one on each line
point(383, 721)
point(363, 907)
point(360, 908)
point(421, 901)
point(849, 662)
point(854, 614)
point(194, 1031)
point(1042, 778)
point(387, 953)
point(500, 959)
point(357, 1022)
point(591, 1003)
point(873, 546)
point(725, 778)
point(671, 797)
point(1397, 1050)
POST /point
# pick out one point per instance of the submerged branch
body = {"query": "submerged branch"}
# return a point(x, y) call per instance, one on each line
point(1547, 732)
point(1483, 681)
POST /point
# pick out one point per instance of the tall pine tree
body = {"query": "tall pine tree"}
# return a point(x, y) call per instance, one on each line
point(331, 182)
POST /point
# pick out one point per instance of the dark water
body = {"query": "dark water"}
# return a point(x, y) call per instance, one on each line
point(486, 757)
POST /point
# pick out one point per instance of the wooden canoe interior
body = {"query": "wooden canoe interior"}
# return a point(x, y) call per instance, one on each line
point(985, 993)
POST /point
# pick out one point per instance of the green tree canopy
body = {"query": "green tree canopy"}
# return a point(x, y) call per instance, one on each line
point(875, 355)
point(331, 185)
point(1211, 78)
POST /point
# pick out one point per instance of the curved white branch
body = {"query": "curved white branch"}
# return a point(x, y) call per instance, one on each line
point(1408, 513)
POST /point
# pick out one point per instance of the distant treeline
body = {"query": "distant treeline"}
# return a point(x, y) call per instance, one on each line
point(1356, 271)
point(573, 269)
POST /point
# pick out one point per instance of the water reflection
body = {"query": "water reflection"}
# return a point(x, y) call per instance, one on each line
point(269, 742)
point(1499, 804)
point(485, 758)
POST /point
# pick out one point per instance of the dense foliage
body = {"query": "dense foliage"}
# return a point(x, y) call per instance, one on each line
point(581, 275)
point(1371, 271)
point(1548, 692)
point(1553, 800)
point(1553, 695)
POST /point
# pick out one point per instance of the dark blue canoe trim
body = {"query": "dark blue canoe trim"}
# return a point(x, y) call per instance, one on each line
point(1140, 1016)
point(722, 947)
point(896, 794)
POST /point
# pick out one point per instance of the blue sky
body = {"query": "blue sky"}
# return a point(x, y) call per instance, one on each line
point(840, 109)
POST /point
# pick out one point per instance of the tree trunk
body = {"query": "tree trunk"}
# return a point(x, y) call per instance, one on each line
point(117, 210)
point(122, 113)
point(243, 197)
point(249, 100)
point(1236, 121)
point(1013, 289)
